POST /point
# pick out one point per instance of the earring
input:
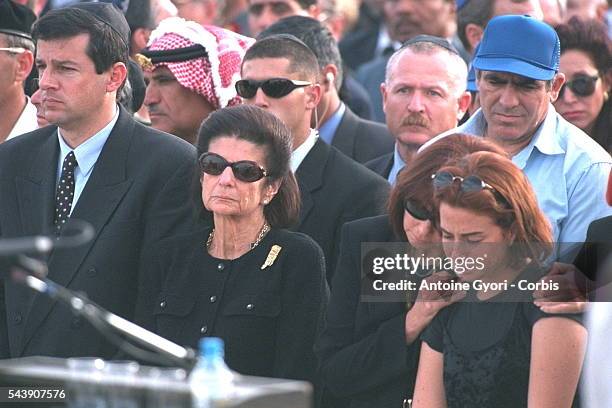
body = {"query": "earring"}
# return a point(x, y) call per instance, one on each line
point(265, 201)
point(606, 96)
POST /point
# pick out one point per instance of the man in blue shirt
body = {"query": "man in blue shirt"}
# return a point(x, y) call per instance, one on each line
point(517, 75)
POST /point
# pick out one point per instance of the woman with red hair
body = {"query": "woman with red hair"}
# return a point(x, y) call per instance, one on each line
point(495, 348)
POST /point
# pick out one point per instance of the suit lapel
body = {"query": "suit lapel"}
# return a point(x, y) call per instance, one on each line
point(310, 176)
point(36, 192)
point(104, 190)
point(344, 138)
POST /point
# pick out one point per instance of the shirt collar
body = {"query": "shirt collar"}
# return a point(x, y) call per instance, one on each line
point(26, 122)
point(398, 165)
point(299, 154)
point(87, 153)
point(544, 140)
point(327, 130)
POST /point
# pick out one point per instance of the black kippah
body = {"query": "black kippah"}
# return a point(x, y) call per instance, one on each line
point(424, 38)
point(175, 55)
point(16, 19)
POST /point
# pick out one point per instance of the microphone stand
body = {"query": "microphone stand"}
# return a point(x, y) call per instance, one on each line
point(103, 319)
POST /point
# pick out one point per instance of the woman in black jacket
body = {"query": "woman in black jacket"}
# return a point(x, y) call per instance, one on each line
point(248, 280)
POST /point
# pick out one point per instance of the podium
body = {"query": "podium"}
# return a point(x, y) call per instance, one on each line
point(144, 390)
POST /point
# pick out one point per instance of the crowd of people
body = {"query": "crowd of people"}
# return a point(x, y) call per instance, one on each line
point(234, 160)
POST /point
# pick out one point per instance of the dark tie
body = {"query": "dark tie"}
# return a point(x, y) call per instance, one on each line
point(65, 191)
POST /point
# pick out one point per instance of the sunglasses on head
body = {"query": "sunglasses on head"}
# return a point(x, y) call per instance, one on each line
point(244, 170)
point(469, 184)
point(581, 85)
point(273, 87)
point(417, 211)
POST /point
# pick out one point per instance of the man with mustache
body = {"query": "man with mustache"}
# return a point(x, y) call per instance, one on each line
point(423, 95)
point(517, 73)
point(404, 19)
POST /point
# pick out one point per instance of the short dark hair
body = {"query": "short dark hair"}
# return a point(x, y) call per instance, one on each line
point(589, 36)
point(105, 48)
point(255, 125)
point(414, 181)
point(477, 12)
point(315, 35)
point(301, 58)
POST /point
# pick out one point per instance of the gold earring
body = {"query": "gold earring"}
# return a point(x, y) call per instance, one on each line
point(606, 96)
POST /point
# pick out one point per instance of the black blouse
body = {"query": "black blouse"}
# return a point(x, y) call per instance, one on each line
point(487, 349)
point(268, 317)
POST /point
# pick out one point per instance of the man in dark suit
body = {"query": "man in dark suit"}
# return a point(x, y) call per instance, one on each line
point(423, 95)
point(98, 165)
point(334, 189)
point(361, 140)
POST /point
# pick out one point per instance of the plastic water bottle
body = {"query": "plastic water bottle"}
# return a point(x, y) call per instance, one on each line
point(211, 380)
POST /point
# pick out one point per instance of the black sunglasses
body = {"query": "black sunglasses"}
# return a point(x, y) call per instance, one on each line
point(581, 85)
point(417, 211)
point(273, 87)
point(468, 184)
point(244, 170)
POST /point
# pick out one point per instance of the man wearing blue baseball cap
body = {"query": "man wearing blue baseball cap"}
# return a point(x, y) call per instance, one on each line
point(517, 75)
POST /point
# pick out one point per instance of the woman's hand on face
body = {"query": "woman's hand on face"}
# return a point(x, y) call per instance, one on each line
point(421, 234)
point(569, 297)
point(428, 303)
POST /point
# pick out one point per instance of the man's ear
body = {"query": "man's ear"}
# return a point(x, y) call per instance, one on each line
point(118, 73)
point(463, 103)
point(25, 61)
point(383, 92)
point(557, 83)
point(330, 73)
point(313, 96)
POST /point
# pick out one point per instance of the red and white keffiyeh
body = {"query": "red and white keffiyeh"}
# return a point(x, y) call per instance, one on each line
point(213, 77)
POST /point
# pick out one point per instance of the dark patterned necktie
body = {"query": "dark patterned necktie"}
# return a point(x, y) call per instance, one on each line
point(65, 191)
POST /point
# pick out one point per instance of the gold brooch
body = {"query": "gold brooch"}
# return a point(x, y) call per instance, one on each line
point(274, 251)
point(144, 62)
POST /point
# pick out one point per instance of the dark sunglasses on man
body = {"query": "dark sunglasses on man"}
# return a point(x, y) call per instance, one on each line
point(581, 85)
point(273, 87)
point(244, 170)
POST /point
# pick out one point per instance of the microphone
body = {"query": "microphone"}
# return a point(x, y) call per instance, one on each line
point(43, 244)
point(13, 251)
point(27, 245)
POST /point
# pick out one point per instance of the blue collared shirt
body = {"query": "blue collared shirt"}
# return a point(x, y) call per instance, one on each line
point(86, 154)
point(327, 131)
point(398, 164)
point(567, 169)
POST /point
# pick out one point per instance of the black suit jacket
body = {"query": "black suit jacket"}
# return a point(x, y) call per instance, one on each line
point(381, 165)
point(362, 140)
point(362, 351)
point(594, 260)
point(137, 193)
point(335, 190)
point(371, 75)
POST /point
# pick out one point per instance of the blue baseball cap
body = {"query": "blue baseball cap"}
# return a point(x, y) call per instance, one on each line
point(519, 45)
